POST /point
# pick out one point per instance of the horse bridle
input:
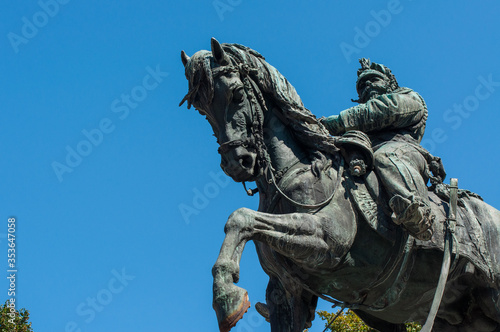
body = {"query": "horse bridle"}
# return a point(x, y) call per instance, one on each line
point(230, 145)
point(257, 140)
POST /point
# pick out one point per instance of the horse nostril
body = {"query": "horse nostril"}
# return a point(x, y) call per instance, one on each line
point(246, 161)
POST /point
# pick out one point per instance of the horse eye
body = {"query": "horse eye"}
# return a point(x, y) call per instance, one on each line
point(238, 95)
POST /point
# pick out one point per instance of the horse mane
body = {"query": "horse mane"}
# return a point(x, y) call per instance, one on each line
point(307, 129)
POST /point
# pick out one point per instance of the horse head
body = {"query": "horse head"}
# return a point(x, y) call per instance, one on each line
point(220, 89)
point(233, 87)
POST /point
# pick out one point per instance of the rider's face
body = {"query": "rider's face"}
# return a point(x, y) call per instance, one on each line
point(372, 87)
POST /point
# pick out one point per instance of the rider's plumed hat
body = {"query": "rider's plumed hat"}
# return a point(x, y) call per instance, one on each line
point(370, 69)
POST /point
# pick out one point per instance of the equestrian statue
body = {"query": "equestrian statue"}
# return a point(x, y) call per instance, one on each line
point(352, 209)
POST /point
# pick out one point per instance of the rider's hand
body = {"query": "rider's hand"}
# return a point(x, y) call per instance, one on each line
point(333, 124)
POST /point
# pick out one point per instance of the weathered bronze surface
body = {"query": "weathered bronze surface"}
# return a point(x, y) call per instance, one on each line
point(324, 228)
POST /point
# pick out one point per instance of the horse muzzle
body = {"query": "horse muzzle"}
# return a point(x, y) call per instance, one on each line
point(239, 160)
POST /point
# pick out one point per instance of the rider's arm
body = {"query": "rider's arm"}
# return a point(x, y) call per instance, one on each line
point(388, 111)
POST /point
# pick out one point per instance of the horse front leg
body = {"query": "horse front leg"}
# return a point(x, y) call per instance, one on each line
point(290, 308)
point(307, 239)
point(230, 302)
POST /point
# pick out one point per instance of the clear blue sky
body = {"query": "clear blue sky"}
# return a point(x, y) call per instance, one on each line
point(102, 79)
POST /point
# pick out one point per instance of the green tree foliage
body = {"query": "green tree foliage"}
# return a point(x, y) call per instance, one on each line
point(349, 322)
point(16, 321)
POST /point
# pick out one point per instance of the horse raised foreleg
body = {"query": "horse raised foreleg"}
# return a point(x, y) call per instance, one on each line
point(306, 239)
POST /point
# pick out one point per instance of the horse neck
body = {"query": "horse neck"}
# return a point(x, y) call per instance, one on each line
point(282, 147)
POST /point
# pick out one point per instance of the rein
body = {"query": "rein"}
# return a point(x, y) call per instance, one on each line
point(309, 206)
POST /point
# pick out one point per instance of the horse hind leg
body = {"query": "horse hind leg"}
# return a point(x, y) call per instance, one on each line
point(378, 324)
point(474, 313)
point(442, 325)
point(488, 300)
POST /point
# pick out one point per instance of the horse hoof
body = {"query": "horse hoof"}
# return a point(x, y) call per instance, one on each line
point(230, 306)
point(263, 310)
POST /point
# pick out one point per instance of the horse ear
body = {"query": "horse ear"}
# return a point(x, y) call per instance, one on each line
point(218, 53)
point(185, 58)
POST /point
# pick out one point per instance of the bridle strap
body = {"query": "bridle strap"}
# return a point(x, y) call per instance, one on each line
point(229, 145)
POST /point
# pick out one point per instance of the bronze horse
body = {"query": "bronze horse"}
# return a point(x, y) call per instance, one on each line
point(312, 236)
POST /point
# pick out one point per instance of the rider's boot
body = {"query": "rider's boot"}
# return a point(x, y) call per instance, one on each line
point(415, 215)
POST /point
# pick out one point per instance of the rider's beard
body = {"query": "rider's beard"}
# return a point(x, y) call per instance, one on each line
point(373, 92)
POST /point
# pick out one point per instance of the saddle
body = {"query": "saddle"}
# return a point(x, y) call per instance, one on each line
point(371, 200)
point(368, 195)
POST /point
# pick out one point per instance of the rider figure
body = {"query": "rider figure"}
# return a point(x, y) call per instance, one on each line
point(394, 119)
